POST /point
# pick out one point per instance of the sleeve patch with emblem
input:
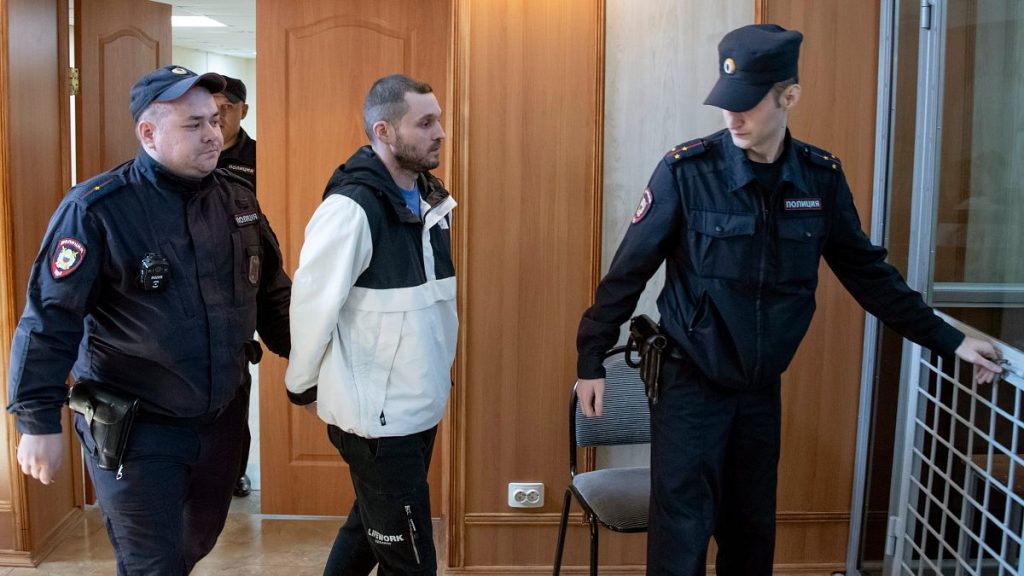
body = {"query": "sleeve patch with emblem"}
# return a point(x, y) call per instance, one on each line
point(646, 201)
point(67, 257)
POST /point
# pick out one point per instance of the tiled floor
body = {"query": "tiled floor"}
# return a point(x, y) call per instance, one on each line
point(251, 545)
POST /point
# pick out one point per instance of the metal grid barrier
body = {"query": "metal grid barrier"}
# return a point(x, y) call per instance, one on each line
point(964, 481)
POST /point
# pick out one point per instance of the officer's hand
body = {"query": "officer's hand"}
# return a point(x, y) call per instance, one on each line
point(40, 455)
point(980, 353)
point(591, 396)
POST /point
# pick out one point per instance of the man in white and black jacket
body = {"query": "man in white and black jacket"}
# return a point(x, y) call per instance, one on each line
point(374, 327)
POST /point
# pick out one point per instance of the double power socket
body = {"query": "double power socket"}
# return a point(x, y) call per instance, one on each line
point(525, 494)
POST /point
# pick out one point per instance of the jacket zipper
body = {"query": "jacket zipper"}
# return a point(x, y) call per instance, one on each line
point(412, 534)
point(423, 257)
point(760, 289)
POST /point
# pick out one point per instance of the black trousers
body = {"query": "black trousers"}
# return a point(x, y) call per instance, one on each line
point(714, 459)
point(389, 524)
point(166, 511)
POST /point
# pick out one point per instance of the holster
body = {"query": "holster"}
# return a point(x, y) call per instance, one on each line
point(110, 416)
point(651, 345)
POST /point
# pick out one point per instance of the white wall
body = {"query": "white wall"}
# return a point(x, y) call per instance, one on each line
point(242, 68)
point(662, 60)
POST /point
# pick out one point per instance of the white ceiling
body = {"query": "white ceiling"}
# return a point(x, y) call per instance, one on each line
point(238, 38)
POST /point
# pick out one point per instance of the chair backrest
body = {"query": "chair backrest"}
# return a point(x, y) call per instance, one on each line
point(626, 416)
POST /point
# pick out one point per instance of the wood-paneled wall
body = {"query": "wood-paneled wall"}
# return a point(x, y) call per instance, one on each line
point(34, 172)
point(838, 72)
point(529, 77)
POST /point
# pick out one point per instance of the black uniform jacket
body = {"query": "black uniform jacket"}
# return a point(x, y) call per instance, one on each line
point(179, 349)
point(240, 159)
point(742, 263)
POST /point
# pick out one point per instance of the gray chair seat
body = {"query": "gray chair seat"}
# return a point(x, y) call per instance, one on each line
point(617, 496)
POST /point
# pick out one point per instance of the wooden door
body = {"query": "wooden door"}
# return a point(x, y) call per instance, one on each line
point(317, 60)
point(34, 174)
point(116, 42)
point(822, 386)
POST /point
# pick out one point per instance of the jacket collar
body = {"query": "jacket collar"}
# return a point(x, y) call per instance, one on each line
point(741, 173)
point(164, 180)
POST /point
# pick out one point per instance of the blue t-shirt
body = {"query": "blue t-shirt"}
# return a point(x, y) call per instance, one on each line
point(412, 199)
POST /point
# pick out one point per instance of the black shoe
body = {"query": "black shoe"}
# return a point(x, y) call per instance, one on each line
point(243, 487)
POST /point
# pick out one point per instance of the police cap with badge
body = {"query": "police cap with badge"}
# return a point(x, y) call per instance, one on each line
point(751, 60)
point(170, 83)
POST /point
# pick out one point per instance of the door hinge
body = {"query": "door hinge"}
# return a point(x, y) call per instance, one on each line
point(926, 15)
point(894, 531)
point(74, 83)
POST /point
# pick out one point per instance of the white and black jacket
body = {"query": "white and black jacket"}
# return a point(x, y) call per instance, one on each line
point(373, 314)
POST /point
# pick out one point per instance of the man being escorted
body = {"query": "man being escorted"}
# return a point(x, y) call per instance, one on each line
point(374, 327)
point(742, 218)
point(149, 285)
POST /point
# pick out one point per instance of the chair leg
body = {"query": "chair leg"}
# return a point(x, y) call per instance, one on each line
point(561, 532)
point(593, 545)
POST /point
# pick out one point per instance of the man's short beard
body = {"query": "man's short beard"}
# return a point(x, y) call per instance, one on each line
point(409, 160)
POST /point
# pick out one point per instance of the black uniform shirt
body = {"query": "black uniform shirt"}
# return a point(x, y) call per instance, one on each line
point(180, 350)
point(742, 265)
point(241, 158)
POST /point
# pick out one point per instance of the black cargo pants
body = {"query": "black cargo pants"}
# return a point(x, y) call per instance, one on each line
point(389, 523)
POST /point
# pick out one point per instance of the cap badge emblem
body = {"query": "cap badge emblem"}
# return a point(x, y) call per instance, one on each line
point(729, 66)
point(178, 70)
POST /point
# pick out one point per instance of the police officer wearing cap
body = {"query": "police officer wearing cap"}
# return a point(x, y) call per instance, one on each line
point(239, 152)
point(741, 218)
point(239, 156)
point(150, 282)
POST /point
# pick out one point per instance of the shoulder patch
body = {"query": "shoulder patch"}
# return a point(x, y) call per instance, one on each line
point(687, 150)
point(646, 201)
point(67, 256)
point(821, 157)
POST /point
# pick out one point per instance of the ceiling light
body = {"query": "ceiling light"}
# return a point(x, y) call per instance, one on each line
point(195, 22)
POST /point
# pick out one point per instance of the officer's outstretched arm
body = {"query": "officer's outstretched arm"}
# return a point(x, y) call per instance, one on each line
point(41, 455)
point(590, 393)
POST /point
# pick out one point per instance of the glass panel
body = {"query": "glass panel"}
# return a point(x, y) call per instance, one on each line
point(980, 227)
point(897, 241)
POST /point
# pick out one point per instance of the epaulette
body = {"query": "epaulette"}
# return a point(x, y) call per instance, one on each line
point(234, 178)
point(821, 157)
point(100, 188)
point(687, 150)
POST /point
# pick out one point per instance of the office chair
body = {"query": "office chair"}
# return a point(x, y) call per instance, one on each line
point(616, 498)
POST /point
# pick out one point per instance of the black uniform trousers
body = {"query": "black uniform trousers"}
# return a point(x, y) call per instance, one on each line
point(714, 459)
point(166, 511)
point(389, 524)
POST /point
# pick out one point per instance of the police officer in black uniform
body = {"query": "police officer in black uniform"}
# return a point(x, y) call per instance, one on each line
point(741, 218)
point(239, 156)
point(239, 152)
point(150, 283)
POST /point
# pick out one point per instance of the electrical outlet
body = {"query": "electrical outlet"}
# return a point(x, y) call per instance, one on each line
point(525, 494)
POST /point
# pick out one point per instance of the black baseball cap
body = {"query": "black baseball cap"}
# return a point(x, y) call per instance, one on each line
point(235, 89)
point(169, 83)
point(751, 60)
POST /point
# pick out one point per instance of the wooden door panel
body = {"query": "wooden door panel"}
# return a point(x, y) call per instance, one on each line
point(322, 57)
point(116, 42)
point(822, 386)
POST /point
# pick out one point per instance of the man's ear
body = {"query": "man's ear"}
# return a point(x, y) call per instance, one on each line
point(791, 96)
point(245, 110)
point(383, 132)
point(145, 131)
